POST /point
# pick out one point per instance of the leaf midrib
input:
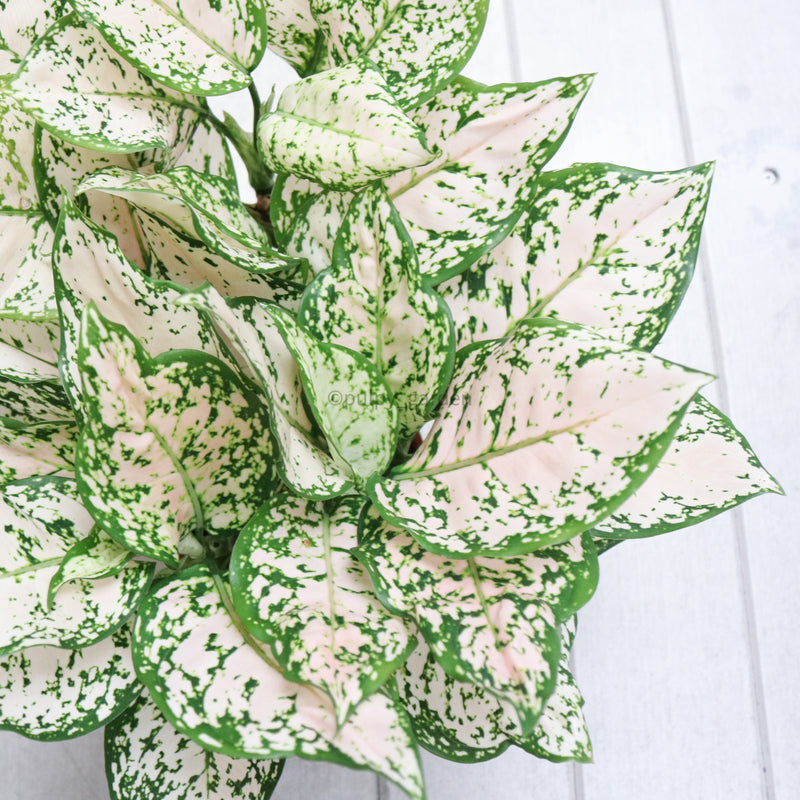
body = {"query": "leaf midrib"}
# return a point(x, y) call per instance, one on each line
point(14, 573)
point(349, 134)
point(188, 483)
point(488, 456)
point(199, 34)
point(596, 258)
point(326, 548)
point(453, 161)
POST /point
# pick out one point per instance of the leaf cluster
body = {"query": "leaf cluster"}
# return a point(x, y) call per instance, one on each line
point(326, 476)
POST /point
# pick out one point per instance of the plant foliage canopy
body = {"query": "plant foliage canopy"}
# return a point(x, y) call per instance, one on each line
point(326, 476)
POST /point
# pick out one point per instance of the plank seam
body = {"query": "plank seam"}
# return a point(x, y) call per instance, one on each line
point(718, 358)
point(576, 786)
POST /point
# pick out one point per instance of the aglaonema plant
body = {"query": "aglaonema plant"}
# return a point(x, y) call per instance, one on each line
point(325, 476)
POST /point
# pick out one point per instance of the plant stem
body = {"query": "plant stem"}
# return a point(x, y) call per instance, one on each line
point(259, 175)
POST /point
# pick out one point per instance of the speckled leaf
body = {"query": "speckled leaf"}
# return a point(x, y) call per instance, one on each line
point(43, 448)
point(297, 586)
point(204, 206)
point(9, 63)
point(488, 621)
point(147, 757)
point(26, 241)
point(224, 690)
point(372, 301)
point(89, 265)
point(111, 106)
point(419, 45)
point(26, 276)
point(491, 144)
point(254, 337)
point(292, 33)
point(348, 397)
point(29, 349)
point(17, 187)
point(172, 446)
point(95, 556)
point(307, 219)
point(604, 246)
point(205, 150)
point(43, 519)
point(341, 128)
point(540, 436)
point(60, 166)
point(21, 24)
point(49, 693)
point(561, 733)
point(708, 468)
point(33, 402)
point(204, 48)
point(463, 722)
point(179, 257)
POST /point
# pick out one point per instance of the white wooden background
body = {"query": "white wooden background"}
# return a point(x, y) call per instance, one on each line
point(688, 656)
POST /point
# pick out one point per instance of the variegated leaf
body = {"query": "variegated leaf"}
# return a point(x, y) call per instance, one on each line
point(419, 45)
point(29, 349)
point(204, 48)
point(204, 206)
point(603, 246)
point(341, 128)
point(304, 465)
point(147, 757)
point(42, 520)
point(205, 150)
point(183, 259)
point(708, 468)
point(293, 34)
point(95, 556)
point(17, 186)
point(21, 24)
point(297, 586)
point(561, 733)
point(307, 219)
point(488, 621)
point(32, 402)
point(491, 143)
point(464, 722)
point(172, 446)
point(26, 276)
point(372, 301)
point(540, 436)
point(44, 448)
point(348, 397)
point(110, 106)
point(89, 266)
point(49, 693)
point(26, 241)
point(9, 63)
point(224, 691)
point(60, 167)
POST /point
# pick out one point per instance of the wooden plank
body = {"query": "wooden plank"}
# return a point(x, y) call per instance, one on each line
point(661, 654)
point(318, 780)
point(739, 71)
point(70, 770)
